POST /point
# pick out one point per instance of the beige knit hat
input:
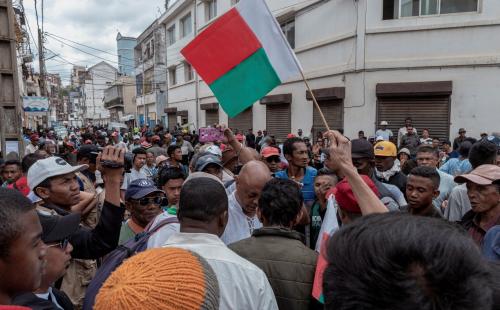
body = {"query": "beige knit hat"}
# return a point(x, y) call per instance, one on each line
point(161, 278)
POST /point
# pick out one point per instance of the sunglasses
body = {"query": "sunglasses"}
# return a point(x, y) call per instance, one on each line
point(63, 244)
point(153, 200)
point(275, 159)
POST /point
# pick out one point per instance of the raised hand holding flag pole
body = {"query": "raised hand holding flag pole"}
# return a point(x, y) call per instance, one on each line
point(243, 55)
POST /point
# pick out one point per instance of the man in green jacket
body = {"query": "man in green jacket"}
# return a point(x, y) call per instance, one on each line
point(280, 251)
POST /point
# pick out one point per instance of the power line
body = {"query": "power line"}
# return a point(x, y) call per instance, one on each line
point(87, 46)
point(83, 51)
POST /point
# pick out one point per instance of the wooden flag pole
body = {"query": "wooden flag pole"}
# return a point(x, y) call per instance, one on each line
point(314, 100)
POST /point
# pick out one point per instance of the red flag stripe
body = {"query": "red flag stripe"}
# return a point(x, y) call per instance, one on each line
point(221, 47)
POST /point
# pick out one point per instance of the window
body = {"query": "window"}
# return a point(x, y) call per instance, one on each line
point(138, 84)
point(393, 9)
point(288, 29)
point(172, 76)
point(233, 2)
point(148, 81)
point(210, 9)
point(185, 25)
point(171, 35)
point(188, 72)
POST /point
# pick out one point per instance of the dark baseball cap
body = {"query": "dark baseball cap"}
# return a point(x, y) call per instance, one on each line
point(206, 160)
point(140, 188)
point(89, 151)
point(56, 228)
point(361, 148)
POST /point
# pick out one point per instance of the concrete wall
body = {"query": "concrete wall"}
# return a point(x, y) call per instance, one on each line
point(347, 44)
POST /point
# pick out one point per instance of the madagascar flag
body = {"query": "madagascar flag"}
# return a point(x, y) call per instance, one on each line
point(242, 56)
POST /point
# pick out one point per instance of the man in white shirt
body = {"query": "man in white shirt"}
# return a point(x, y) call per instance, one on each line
point(244, 200)
point(384, 132)
point(33, 146)
point(203, 213)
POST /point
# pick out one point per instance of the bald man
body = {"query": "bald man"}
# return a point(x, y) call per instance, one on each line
point(243, 202)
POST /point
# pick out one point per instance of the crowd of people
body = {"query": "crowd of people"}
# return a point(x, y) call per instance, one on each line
point(145, 218)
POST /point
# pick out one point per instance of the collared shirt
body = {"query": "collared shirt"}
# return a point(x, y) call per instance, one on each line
point(128, 230)
point(132, 176)
point(150, 172)
point(403, 131)
point(239, 226)
point(242, 285)
point(446, 185)
point(471, 221)
point(307, 182)
point(50, 296)
point(161, 236)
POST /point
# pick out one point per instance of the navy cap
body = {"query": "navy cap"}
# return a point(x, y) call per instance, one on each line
point(206, 160)
point(140, 188)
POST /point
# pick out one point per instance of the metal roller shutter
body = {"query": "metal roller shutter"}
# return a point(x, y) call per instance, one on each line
point(278, 120)
point(211, 117)
point(172, 121)
point(242, 121)
point(333, 110)
point(431, 112)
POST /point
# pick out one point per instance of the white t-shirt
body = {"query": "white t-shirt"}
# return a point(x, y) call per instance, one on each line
point(161, 236)
point(239, 226)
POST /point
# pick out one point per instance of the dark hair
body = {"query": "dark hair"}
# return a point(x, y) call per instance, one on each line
point(464, 149)
point(202, 199)
point(408, 119)
point(424, 148)
point(12, 205)
point(470, 139)
point(425, 129)
point(428, 173)
point(361, 132)
point(171, 149)
point(167, 173)
point(28, 161)
point(402, 261)
point(280, 202)
point(408, 166)
point(139, 150)
point(482, 152)
point(288, 146)
point(325, 171)
point(11, 162)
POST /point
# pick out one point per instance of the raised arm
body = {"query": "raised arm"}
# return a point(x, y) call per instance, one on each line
point(340, 152)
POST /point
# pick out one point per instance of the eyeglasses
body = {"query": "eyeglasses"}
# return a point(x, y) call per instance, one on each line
point(63, 244)
point(152, 200)
point(275, 159)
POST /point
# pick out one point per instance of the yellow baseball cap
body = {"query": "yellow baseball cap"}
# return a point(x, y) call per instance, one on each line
point(385, 148)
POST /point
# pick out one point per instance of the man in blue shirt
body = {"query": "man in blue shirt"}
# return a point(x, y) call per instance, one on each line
point(295, 151)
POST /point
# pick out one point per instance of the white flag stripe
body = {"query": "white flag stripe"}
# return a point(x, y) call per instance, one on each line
point(266, 28)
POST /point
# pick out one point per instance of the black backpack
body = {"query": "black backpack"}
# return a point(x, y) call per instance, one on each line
point(114, 259)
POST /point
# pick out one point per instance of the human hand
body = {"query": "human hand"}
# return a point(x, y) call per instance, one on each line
point(111, 156)
point(339, 148)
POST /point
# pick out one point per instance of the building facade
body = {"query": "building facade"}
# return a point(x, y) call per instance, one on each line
point(97, 78)
point(119, 99)
point(150, 75)
point(369, 61)
point(125, 48)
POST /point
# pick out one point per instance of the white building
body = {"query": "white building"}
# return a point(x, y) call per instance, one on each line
point(150, 74)
point(98, 78)
point(367, 61)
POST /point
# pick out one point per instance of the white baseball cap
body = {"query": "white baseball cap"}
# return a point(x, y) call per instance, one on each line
point(384, 123)
point(50, 167)
point(214, 150)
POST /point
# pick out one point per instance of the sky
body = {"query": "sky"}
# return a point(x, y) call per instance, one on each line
point(91, 22)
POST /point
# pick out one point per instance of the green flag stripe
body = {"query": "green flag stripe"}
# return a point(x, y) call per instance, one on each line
point(246, 83)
